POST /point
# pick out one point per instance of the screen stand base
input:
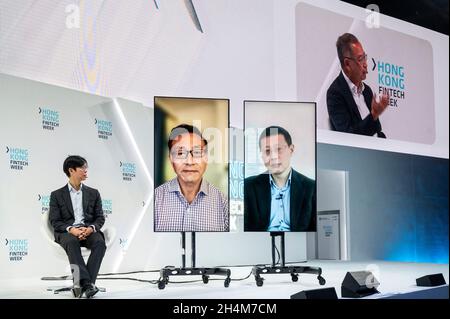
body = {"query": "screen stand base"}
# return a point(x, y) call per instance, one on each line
point(168, 271)
point(258, 270)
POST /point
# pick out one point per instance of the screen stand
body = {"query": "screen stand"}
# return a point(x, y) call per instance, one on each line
point(166, 272)
point(283, 269)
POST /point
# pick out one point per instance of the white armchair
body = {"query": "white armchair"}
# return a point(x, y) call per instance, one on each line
point(48, 234)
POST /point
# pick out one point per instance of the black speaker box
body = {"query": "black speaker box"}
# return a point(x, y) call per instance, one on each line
point(431, 280)
point(323, 293)
point(357, 284)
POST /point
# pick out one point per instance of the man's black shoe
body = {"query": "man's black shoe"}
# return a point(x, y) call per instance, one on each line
point(90, 291)
point(77, 291)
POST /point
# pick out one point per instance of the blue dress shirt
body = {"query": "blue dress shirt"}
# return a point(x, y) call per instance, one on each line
point(280, 219)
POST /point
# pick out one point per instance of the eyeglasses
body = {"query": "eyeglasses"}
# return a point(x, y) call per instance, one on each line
point(278, 150)
point(183, 153)
point(361, 59)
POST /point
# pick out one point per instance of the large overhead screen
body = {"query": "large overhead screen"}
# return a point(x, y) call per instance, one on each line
point(408, 62)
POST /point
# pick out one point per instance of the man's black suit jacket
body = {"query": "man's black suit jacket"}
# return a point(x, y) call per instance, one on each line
point(343, 111)
point(257, 203)
point(61, 213)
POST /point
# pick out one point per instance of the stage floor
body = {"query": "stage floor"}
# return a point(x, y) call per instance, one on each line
point(395, 278)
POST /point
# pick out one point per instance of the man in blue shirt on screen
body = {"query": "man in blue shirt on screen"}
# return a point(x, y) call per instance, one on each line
point(280, 199)
point(189, 203)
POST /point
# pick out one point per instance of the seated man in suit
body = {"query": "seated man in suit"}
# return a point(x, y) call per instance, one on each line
point(280, 199)
point(76, 216)
point(352, 107)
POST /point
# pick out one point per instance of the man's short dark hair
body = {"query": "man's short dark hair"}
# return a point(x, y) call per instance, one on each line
point(73, 161)
point(343, 46)
point(183, 129)
point(275, 130)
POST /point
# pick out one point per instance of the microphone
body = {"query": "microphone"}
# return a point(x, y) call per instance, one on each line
point(280, 196)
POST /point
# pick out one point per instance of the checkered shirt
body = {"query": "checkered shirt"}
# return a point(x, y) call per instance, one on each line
point(208, 212)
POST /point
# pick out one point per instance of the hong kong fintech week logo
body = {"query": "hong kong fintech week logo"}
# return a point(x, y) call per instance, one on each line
point(107, 207)
point(391, 80)
point(18, 158)
point(45, 202)
point(18, 249)
point(104, 129)
point(128, 171)
point(50, 119)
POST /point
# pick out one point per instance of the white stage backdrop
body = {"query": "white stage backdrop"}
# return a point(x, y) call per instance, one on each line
point(41, 126)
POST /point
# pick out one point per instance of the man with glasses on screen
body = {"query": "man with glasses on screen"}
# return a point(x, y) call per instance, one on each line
point(281, 199)
point(352, 106)
point(189, 203)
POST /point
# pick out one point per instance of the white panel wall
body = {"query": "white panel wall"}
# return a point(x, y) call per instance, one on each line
point(332, 194)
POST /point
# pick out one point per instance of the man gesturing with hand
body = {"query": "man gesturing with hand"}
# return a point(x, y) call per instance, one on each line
point(352, 106)
point(379, 107)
